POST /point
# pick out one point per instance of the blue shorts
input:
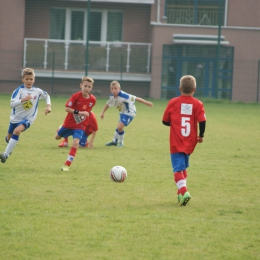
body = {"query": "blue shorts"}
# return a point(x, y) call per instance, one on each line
point(126, 120)
point(65, 132)
point(180, 161)
point(12, 126)
point(83, 140)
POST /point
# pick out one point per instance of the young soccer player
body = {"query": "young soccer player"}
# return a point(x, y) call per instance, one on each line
point(125, 103)
point(78, 108)
point(24, 104)
point(183, 114)
point(91, 129)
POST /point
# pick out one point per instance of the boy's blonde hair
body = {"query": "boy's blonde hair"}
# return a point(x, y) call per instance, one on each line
point(115, 82)
point(187, 84)
point(28, 71)
point(86, 78)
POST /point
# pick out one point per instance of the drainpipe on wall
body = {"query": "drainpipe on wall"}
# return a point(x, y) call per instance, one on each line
point(158, 10)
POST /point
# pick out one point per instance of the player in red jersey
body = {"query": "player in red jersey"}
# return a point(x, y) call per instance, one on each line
point(78, 108)
point(91, 129)
point(184, 114)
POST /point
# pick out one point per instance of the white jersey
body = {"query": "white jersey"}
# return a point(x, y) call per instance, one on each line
point(27, 110)
point(124, 102)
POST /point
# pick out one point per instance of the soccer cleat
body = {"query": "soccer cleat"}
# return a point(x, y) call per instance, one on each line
point(6, 139)
point(65, 168)
point(184, 199)
point(111, 144)
point(63, 144)
point(3, 157)
point(120, 145)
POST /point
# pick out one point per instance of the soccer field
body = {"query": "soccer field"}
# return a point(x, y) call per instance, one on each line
point(82, 214)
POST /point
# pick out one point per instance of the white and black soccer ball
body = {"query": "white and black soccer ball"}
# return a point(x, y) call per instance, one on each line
point(118, 174)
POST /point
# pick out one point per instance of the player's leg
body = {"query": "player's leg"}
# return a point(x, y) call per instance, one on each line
point(77, 135)
point(62, 132)
point(83, 140)
point(125, 120)
point(114, 140)
point(16, 130)
point(64, 142)
point(121, 134)
point(8, 137)
point(179, 164)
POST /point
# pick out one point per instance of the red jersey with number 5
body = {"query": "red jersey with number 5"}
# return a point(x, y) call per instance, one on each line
point(184, 113)
point(80, 103)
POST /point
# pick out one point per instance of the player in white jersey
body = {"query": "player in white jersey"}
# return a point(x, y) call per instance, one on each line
point(125, 103)
point(24, 104)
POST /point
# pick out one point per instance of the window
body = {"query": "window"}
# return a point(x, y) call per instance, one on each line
point(95, 26)
point(77, 25)
point(114, 26)
point(195, 12)
point(71, 24)
point(213, 74)
point(57, 22)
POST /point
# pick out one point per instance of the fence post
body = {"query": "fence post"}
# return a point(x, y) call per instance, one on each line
point(258, 80)
point(87, 37)
point(52, 78)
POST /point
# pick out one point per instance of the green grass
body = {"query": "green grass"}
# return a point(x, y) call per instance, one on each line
point(82, 214)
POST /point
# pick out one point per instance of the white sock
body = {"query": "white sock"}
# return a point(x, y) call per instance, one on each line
point(11, 145)
point(121, 138)
point(115, 139)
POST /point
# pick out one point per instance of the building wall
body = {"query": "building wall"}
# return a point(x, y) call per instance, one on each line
point(136, 18)
point(243, 13)
point(11, 40)
point(142, 23)
point(246, 56)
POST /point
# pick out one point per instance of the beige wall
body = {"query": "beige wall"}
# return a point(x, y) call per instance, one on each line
point(140, 25)
point(246, 56)
point(243, 13)
point(136, 18)
point(11, 39)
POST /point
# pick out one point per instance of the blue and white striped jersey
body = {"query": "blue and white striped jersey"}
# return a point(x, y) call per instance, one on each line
point(28, 109)
point(124, 102)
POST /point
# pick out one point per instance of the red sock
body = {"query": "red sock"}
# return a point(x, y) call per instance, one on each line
point(179, 180)
point(185, 174)
point(71, 156)
point(66, 139)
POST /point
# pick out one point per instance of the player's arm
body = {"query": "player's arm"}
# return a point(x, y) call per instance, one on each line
point(76, 112)
point(202, 127)
point(104, 110)
point(16, 101)
point(148, 103)
point(47, 109)
point(166, 123)
point(91, 141)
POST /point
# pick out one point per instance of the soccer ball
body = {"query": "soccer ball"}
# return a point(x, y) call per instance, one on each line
point(118, 174)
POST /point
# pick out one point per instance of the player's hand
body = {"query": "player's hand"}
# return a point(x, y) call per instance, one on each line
point(149, 104)
point(26, 98)
point(102, 116)
point(90, 145)
point(83, 113)
point(47, 110)
point(200, 139)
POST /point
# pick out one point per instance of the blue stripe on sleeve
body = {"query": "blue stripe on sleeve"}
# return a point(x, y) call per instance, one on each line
point(16, 91)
